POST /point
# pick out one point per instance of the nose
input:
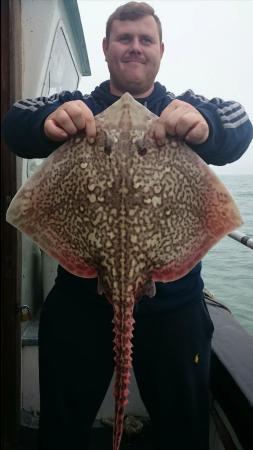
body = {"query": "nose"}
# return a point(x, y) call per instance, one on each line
point(135, 45)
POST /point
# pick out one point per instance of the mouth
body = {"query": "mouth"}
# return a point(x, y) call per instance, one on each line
point(133, 61)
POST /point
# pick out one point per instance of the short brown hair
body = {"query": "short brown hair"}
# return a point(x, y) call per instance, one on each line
point(132, 11)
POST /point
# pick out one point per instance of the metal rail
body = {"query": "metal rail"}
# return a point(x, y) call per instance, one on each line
point(242, 238)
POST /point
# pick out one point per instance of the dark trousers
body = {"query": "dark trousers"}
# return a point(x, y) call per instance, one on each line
point(170, 359)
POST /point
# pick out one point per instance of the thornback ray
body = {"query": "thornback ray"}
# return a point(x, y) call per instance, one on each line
point(126, 211)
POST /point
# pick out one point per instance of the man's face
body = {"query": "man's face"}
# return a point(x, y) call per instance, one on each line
point(133, 53)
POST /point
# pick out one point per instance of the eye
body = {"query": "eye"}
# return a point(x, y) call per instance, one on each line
point(125, 39)
point(142, 151)
point(146, 40)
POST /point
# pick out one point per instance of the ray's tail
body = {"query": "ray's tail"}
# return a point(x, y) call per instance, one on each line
point(123, 329)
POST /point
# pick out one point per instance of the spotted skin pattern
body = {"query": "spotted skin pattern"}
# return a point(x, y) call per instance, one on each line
point(127, 212)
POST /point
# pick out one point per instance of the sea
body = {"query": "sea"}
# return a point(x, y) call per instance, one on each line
point(228, 266)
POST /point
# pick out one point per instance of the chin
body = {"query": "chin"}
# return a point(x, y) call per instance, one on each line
point(135, 86)
point(137, 89)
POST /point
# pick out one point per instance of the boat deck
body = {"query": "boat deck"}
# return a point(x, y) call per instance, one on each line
point(102, 438)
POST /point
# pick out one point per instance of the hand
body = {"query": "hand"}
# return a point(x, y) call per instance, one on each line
point(68, 119)
point(183, 120)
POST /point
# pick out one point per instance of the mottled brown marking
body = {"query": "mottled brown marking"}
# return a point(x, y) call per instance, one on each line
point(126, 211)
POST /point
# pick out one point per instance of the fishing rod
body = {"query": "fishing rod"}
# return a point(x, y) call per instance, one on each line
point(242, 238)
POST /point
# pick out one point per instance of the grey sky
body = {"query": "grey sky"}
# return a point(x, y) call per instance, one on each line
point(208, 48)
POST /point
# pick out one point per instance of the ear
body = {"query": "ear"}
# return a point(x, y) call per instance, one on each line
point(162, 49)
point(105, 47)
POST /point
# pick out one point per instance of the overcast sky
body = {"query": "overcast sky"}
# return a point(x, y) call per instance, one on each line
point(208, 48)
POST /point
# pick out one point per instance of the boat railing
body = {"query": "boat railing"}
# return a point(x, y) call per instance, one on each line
point(242, 238)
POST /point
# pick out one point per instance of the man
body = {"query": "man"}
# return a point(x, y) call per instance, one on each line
point(173, 331)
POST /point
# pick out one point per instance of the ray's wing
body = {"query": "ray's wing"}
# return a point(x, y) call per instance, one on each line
point(194, 210)
point(54, 207)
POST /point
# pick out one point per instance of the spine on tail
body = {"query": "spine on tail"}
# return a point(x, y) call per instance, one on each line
point(123, 329)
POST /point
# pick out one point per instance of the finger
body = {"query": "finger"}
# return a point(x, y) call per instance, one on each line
point(177, 122)
point(198, 134)
point(64, 121)
point(159, 132)
point(186, 121)
point(83, 118)
point(77, 112)
point(90, 127)
point(54, 132)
